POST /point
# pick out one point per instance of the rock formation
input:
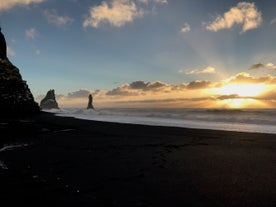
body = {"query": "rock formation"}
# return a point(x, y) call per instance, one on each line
point(90, 102)
point(15, 95)
point(49, 102)
point(3, 46)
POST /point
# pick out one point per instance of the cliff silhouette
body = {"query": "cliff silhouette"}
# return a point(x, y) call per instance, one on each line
point(15, 95)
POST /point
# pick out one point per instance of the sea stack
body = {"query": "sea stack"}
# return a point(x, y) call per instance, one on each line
point(49, 102)
point(90, 102)
point(15, 95)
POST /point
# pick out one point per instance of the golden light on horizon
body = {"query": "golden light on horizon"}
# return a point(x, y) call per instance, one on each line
point(243, 95)
point(240, 103)
point(248, 90)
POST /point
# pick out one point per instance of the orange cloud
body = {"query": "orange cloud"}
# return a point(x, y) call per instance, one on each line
point(208, 70)
point(246, 78)
point(241, 90)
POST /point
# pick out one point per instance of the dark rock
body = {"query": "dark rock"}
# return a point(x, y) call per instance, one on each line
point(3, 46)
point(49, 102)
point(15, 95)
point(90, 102)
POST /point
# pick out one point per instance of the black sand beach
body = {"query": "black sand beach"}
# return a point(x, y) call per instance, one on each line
point(70, 162)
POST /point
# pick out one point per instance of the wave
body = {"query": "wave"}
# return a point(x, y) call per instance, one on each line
point(247, 120)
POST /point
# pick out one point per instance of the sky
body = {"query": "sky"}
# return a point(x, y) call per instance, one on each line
point(145, 53)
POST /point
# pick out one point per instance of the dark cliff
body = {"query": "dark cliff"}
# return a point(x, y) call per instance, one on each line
point(15, 95)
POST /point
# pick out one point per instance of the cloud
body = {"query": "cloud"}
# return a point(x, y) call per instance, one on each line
point(155, 86)
point(269, 96)
point(31, 33)
point(208, 70)
point(138, 87)
point(156, 94)
point(82, 93)
point(231, 96)
point(10, 52)
point(8, 4)
point(198, 84)
point(273, 21)
point(117, 13)
point(246, 78)
point(121, 91)
point(231, 92)
point(270, 66)
point(53, 18)
point(148, 86)
point(256, 66)
point(186, 28)
point(245, 14)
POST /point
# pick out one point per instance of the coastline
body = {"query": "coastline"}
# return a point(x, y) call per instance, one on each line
point(252, 120)
point(73, 162)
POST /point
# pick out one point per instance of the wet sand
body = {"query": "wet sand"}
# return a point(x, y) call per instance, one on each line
point(60, 161)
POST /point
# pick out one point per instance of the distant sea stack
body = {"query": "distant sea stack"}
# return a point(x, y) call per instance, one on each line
point(15, 95)
point(49, 102)
point(90, 102)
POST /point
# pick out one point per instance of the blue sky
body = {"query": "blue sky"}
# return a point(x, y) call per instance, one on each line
point(84, 45)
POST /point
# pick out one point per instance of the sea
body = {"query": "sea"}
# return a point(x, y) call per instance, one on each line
point(241, 120)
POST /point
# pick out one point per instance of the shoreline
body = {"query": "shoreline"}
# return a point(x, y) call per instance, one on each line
point(181, 119)
point(178, 128)
point(184, 124)
point(73, 162)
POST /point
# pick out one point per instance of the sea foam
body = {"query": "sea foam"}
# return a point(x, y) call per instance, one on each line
point(242, 120)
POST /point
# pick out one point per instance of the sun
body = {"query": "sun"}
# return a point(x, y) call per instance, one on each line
point(240, 95)
point(245, 90)
point(240, 103)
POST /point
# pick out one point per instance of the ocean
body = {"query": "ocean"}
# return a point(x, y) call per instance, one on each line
point(241, 120)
